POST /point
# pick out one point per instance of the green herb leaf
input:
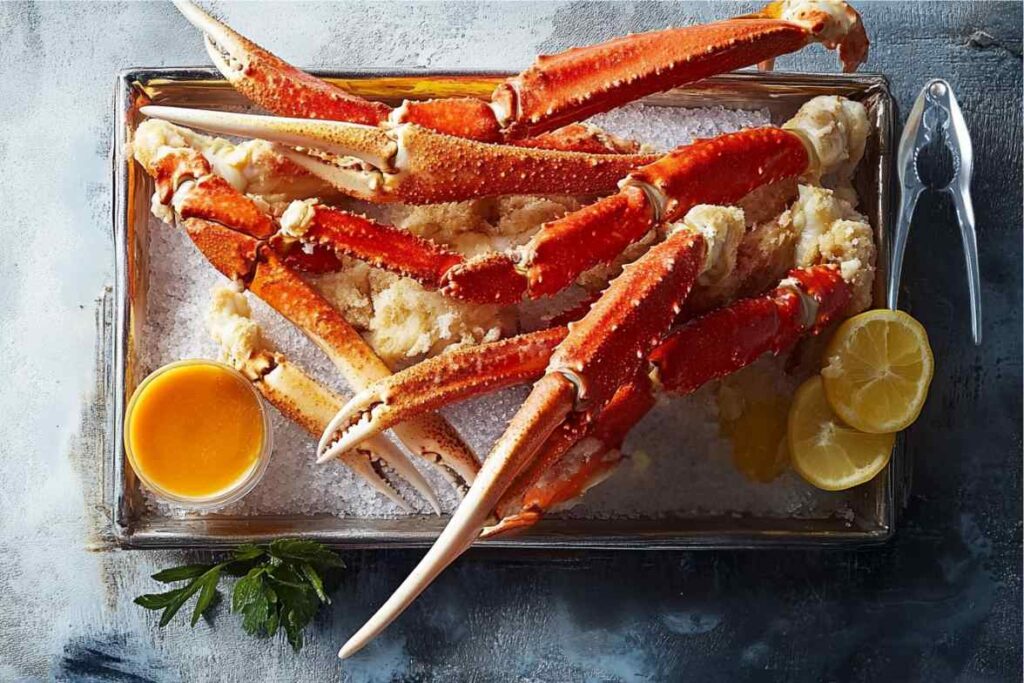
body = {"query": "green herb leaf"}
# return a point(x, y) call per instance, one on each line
point(175, 604)
point(246, 552)
point(206, 594)
point(285, 574)
point(280, 586)
point(298, 606)
point(315, 581)
point(158, 600)
point(305, 551)
point(188, 571)
point(247, 590)
point(252, 600)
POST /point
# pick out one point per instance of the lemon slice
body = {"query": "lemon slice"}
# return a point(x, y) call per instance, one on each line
point(826, 452)
point(878, 369)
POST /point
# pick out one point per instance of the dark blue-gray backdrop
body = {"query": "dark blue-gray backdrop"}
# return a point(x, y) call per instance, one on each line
point(941, 602)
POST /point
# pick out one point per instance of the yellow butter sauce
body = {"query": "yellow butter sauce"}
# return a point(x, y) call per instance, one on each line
point(195, 430)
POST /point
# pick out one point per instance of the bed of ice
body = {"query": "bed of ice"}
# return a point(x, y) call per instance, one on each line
point(681, 466)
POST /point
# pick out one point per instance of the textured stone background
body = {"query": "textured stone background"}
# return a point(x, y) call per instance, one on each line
point(942, 601)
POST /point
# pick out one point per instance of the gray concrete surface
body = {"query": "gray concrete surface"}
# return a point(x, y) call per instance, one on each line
point(941, 602)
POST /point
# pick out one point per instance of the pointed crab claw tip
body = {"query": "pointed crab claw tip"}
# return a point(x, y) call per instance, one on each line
point(368, 143)
point(195, 15)
point(353, 424)
point(223, 38)
point(229, 51)
point(384, 466)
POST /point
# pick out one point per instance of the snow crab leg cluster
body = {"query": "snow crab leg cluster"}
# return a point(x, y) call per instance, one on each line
point(234, 232)
point(599, 374)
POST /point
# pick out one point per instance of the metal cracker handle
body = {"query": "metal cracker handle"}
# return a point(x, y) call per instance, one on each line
point(936, 115)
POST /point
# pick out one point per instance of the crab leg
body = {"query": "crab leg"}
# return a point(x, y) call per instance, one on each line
point(284, 90)
point(411, 164)
point(302, 399)
point(575, 458)
point(707, 348)
point(585, 81)
point(185, 182)
point(557, 89)
point(825, 136)
point(601, 352)
point(708, 171)
point(437, 382)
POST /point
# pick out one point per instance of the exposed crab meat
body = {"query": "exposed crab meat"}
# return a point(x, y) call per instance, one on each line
point(253, 167)
point(302, 399)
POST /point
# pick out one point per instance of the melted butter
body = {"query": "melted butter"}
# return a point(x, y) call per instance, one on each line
point(195, 431)
point(752, 414)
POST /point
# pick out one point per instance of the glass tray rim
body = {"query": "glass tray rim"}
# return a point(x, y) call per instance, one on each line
point(138, 84)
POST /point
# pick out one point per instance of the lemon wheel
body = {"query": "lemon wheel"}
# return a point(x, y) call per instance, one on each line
point(825, 451)
point(877, 371)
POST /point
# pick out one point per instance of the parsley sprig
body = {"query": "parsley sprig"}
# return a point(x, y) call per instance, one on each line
point(281, 586)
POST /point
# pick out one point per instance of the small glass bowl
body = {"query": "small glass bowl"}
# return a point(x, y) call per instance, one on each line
point(233, 493)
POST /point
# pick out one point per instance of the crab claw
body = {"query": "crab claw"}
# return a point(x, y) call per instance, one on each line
point(379, 462)
point(411, 164)
point(574, 459)
point(373, 465)
point(601, 352)
point(552, 398)
point(302, 399)
point(437, 382)
point(271, 82)
point(340, 138)
point(832, 23)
